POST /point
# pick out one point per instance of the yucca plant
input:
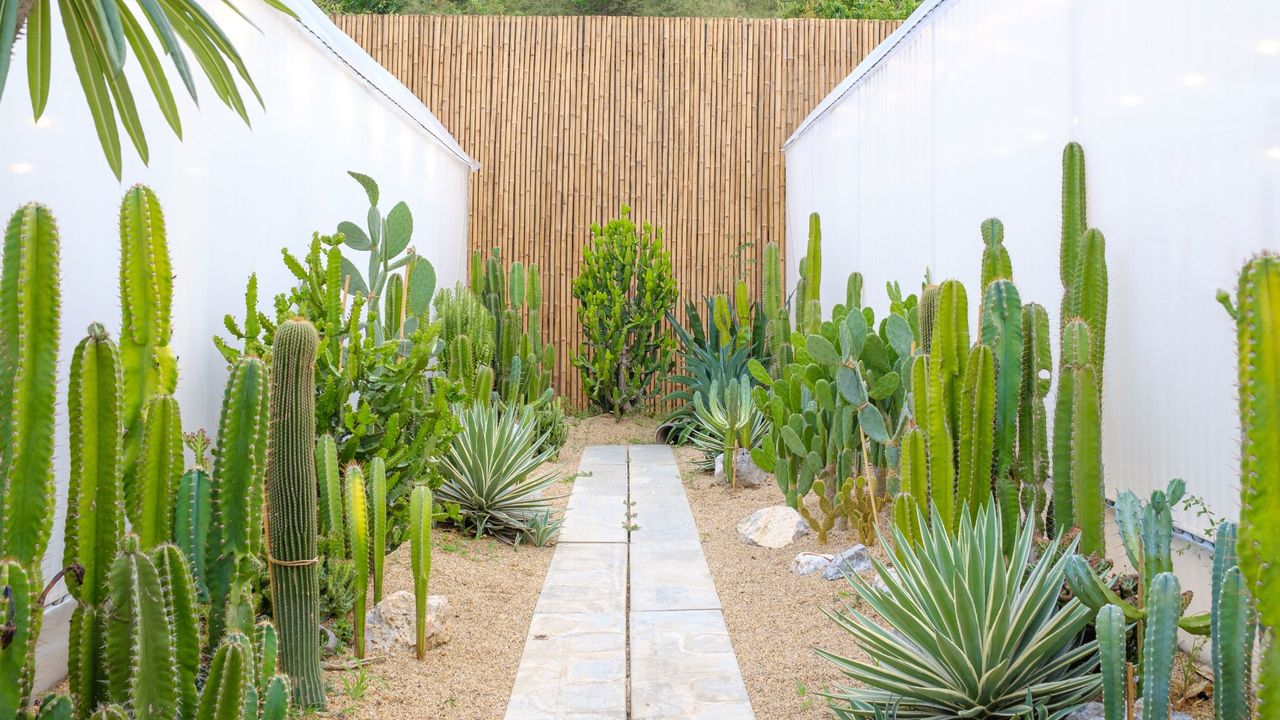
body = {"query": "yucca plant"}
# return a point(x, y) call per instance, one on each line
point(972, 633)
point(488, 470)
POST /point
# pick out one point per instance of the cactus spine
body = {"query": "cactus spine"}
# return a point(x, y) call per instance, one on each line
point(377, 524)
point(95, 514)
point(275, 700)
point(141, 664)
point(358, 523)
point(1164, 604)
point(911, 503)
point(1077, 443)
point(146, 295)
point(229, 679)
point(160, 466)
point(1112, 629)
point(291, 494)
point(1257, 325)
point(29, 314)
point(180, 600)
point(235, 535)
point(420, 513)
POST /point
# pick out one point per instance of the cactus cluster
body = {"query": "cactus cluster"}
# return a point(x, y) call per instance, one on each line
point(730, 417)
point(624, 289)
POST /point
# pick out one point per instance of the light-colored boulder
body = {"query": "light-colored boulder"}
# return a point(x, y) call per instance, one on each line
point(390, 625)
point(854, 560)
point(807, 563)
point(1096, 711)
point(773, 527)
point(746, 473)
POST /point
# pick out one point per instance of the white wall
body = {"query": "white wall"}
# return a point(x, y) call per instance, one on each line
point(233, 196)
point(963, 115)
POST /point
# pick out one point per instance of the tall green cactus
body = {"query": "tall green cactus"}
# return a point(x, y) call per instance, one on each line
point(1077, 491)
point(1033, 431)
point(358, 524)
point(275, 699)
point(180, 599)
point(1088, 295)
point(775, 310)
point(160, 465)
point(193, 512)
point(377, 524)
point(146, 298)
point(291, 503)
point(1258, 338)
point(420, 514)
point(1074, 221)
point(1088, 500)
point(235, 535)
point(912, 501)
point(996, 264)
point(928, 373)
point(1002, 331)
point(95, 514)
point(1160, 645)
point(1112, 630)
point(141, 662)
point(976, 441)
point(950, 346)
point(331, 503)
point(1233, 630)
point(30, 302)
point(18, 609)
point(812, 297)
point(230, 673)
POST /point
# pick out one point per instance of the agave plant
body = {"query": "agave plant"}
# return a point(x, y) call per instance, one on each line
point(715, 424)
point(973, 633)
point(488, 471)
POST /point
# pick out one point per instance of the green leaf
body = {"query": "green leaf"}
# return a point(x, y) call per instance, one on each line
point(169, 41)
point(399, 230)
point(8, 33)
point(821, 350)
point(759, 373)
point(39, 30)
point(353, 236)
point(95, 88)
point(370, 186)
point(872, 423)
point(151, 69)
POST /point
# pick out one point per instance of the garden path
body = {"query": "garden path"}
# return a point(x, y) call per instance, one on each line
point(628, 625)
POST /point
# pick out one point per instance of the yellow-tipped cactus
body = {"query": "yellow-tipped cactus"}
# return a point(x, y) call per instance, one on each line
point(420, 512)
point(291, 508)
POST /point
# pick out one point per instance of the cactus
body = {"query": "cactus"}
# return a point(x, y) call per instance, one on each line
point(55, 707)
point(109, 712)
point(29, 313)
point(18, 617)
point(420, 513)
point(1088, 501)
point(377, 523)
point(1233, 630)
point(811, 298)
point(150, 503)
point(1088, 295)
point(1257, 322)
point(193, 513)
point(937, 435)
point(1112, 630)
point(146, 297)
point(1002, 331)
point(230, 678)
point(234, 543)
point(180, 600)
point(1033, 438)
point(775, 310)
point(976, 441)
point(927, 313)
point(266, 646)
point(358, 523)
point(1074, 360)
point(141, 663)
point(291, 504)
point(1074, 221)
point(1160, 644)
point(331, 509)
point(950, 345)
point(995, 258)
point(911, 503)
point(275, 699)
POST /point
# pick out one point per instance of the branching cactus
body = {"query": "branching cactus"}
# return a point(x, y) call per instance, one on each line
point(30, 302)
point(377, 525)
point(420, 514)
point(180, 600)
point(291, 503)
point(1077, 434)
point(159, 470)
point(1258, 337)
point(146, 298)
point(193, 511)
point(234, 544)
point(141, 662)
point(809, 309)
point(358, 523)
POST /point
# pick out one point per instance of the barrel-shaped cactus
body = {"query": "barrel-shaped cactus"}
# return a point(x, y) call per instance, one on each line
point(150, 498)
point(358, 524)
point(1258, 338)
point(30, 302)
point(146, 299)
point(141, 661)
point(291, 508)
point(420, 514)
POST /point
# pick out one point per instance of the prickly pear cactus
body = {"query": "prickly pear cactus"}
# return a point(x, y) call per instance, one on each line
point(291, 503)
point(1258, 336)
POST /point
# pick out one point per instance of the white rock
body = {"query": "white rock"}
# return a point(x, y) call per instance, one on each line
point(1096, 711)
point(745, 472)
point(390, 625)
point(773, 527)
point(854, 560)
point(878, 583)
point(807, 563)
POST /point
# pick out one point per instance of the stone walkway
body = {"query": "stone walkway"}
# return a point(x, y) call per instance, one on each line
point(629, 623)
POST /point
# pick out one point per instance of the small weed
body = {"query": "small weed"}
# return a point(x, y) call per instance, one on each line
point(355, 685)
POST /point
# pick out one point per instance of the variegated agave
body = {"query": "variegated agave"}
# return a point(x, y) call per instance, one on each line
point(971, 633)
point(487, 471)
point(717, 414)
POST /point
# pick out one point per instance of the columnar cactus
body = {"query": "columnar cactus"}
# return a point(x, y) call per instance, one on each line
point(146, 297)
point(1033, 431)
point(811, 299)
point(95, 513)
point(377, 524)
point(1160, 644)
point(180, 600)
point(193, 512)
point(950, 345)
point(160, 464)
point(358, 524)
point(275, 700)
point(912, 502)
point(332, 509)
point(230, 679)
point(234, 544)
point(291, 504)
point(1002, 331)
point(420, 514)
point(1112, 630)
point(29, 313)
point(141, 663)
point(1233, 630)
point(775, 310)
point(976, 441)
point(996, 264)
point(1077, 435)
point(1258, 338)
point(18, 609)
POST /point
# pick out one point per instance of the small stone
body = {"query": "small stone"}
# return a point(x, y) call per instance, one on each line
point(854, 560)
point(745, 472)
point(773, 527)
point(807, 563)
point(391, 623)
point(1090, 711)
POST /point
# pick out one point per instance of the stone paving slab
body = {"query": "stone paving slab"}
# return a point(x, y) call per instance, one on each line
point(586, 577)
point(603, 455)
point(574, 667)
point(671, 575)
point(683, 666)
point(652, 455)
point(597, 508)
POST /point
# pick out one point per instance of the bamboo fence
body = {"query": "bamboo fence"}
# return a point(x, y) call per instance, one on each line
point(570, 118)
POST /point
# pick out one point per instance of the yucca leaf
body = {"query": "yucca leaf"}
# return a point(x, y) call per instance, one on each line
point(39, 45)
point(89, 70)
point(151, 69)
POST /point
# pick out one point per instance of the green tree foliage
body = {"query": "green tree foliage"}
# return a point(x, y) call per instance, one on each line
point(850, 9)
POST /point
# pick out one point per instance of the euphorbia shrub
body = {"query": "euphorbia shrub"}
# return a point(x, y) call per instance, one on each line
point(624, 290)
